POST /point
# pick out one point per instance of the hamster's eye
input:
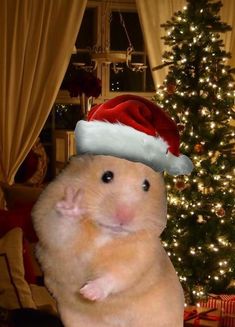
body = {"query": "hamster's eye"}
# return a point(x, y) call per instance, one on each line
point(107, 176)
point(145, 185)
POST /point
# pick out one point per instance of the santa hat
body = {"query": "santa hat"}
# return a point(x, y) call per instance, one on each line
point(133, 128)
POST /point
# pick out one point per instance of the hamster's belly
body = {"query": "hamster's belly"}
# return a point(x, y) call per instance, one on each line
point(67, 271)
point(146, 304)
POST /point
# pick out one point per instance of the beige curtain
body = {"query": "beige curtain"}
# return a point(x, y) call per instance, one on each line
point(36, 42)
point(153, 13)
point(228, 16)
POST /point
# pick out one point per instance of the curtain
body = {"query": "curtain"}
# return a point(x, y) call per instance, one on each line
point(228, 16)
point(36, 42)
point(153, 13)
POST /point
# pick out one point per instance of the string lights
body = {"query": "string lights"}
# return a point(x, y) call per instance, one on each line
point(199, 93)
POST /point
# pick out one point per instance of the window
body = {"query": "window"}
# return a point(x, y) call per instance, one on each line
point(85, 40)
point(129, 81)
point(95, 31)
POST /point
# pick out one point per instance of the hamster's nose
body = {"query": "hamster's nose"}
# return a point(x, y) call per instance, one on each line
point(124, 214)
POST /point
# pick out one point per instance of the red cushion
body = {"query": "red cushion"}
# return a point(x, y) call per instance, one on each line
point(20, 217)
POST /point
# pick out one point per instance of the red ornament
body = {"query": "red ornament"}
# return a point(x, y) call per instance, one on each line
point(180, 127)
point(171, 88)
point(199, 148)
point(180, 185)
point(220, 212)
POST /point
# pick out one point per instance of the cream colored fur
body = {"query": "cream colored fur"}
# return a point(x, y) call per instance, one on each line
point(100, 276)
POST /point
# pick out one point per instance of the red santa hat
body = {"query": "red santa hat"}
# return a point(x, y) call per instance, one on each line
point(136, 129)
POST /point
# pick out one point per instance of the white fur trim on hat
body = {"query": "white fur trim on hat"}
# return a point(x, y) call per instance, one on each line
point(118, 140)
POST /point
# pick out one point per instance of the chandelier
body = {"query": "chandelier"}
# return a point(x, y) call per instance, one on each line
point(103, 55)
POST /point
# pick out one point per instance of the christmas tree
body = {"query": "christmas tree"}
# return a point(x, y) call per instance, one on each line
point(198, 93)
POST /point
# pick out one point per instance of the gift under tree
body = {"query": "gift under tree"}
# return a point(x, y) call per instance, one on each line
point(199, 93)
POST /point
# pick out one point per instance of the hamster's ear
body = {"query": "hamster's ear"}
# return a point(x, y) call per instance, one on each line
point(78, 164)
point(81, 159)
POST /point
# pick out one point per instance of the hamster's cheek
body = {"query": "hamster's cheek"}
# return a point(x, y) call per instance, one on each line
point(104, 209)
point(98, 203)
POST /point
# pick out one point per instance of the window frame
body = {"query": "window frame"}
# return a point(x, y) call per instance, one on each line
point(103, 71)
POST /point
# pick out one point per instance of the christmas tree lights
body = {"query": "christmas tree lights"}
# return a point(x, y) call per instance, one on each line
point(199, 93)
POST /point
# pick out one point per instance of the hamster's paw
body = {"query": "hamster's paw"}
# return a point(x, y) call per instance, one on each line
point(70, 205)
point(95, 290)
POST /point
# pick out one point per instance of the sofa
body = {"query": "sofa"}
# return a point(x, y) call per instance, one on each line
point(24, 300)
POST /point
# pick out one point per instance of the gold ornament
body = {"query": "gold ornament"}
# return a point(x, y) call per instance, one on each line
point(215, 156)
point(200, 219)
point(208, 190)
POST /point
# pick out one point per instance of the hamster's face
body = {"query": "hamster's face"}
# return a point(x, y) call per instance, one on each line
point(120, 195)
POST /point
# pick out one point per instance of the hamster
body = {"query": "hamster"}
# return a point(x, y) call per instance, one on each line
point(98, 225)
